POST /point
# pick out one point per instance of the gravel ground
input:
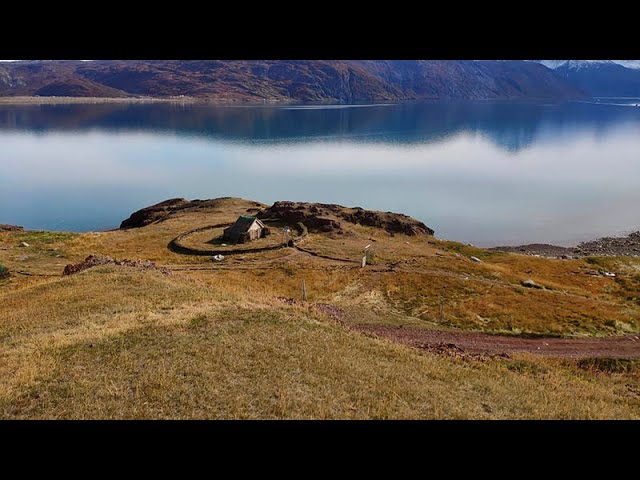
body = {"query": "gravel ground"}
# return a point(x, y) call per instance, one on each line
point(628, 246)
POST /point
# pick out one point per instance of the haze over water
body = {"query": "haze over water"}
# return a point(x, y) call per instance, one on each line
point(486, 173)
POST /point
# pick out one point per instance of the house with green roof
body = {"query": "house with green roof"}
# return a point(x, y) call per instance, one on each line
point(246, 229)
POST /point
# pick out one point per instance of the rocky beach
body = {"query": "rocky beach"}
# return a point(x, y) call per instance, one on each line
point(628, 246)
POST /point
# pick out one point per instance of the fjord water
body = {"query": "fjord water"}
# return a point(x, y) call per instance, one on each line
point(488, 173)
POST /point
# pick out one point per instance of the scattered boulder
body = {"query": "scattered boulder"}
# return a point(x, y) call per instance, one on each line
point(612, 246)
point(530, 284)
point(97, 260)
point(10, 228)
point(24, 244)
point(475, 259)
point(218, 258)
point(628, 246)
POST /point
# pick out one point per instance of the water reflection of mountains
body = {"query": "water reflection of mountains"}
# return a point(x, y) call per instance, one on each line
point(511, 126)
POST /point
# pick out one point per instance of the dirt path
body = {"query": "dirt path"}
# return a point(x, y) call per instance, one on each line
point(481, 343)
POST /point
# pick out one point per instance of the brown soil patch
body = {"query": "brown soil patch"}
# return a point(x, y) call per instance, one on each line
point(97, 260)
point(444, 341)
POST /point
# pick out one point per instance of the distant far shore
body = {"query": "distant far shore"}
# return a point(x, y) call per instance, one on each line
point(32, 100)
point(59, 100)
point(226, 101)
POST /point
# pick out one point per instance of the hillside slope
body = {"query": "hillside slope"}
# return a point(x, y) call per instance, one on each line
point(464, 79)
point(286, 80)
point(231, 339)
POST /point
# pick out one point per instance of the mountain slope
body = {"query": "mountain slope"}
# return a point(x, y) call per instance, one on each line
point(466, 79)
point(57, 78)
point(600, 77)
point(553, 64)
point(287, 80)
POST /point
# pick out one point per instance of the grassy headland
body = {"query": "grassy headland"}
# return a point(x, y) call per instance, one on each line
point(232, 339)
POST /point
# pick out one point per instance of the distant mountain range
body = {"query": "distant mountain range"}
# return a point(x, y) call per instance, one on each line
point(289, 80)
point(600, 78)
point(553, 64)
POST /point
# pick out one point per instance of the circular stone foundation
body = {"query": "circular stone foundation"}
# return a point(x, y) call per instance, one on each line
point(207, 241)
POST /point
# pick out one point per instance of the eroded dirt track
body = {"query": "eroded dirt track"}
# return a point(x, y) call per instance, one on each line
point(481, 343)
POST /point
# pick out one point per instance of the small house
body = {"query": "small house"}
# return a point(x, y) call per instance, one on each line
point(246, 229)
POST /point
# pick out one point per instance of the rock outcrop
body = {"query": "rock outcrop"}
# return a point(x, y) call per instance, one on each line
point(10, 228)
point(154, 213)
point(321, 217)
point(316, 217)
point(161, 211)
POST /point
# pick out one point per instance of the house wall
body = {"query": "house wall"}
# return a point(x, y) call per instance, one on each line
point(255, 231)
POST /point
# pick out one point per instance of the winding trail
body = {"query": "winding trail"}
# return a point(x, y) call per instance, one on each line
point(482, 343)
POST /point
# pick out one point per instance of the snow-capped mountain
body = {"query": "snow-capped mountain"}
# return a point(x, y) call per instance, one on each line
point(580, 64)
point(635, 64)
point(600, 78)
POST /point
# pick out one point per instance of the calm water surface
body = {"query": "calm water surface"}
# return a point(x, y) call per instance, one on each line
point(484, 173)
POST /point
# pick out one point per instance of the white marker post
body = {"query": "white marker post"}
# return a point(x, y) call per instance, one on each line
point(286, 231)
point(364, 258)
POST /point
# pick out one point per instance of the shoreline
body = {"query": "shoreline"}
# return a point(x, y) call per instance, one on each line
point(27, 100)
point(53, 100)
point(627, 246)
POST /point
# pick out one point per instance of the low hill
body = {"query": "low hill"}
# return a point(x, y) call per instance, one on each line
point(286, 80)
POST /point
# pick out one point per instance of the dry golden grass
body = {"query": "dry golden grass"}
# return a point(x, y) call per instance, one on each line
point(154, 346)
point(214, 340)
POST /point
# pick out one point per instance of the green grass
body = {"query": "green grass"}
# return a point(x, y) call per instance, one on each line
point(471, 251)
point(3, 269)
point(45, 237)
point(610, 365)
